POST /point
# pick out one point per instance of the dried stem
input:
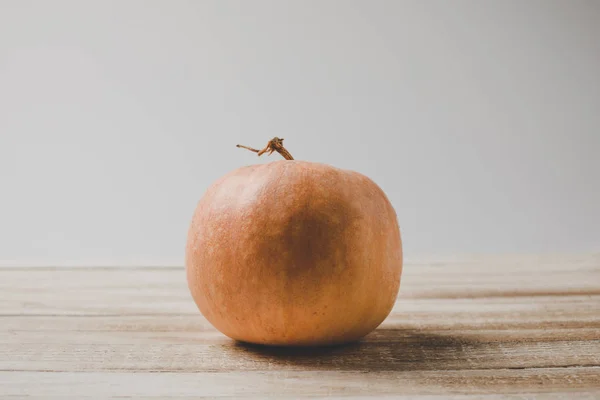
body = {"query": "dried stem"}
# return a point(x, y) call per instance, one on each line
point(247, 148)
point(275, 144)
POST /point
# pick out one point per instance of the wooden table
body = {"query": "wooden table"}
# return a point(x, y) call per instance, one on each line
point(467, 327)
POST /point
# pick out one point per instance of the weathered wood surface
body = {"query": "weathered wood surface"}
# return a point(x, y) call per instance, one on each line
point(468, 327)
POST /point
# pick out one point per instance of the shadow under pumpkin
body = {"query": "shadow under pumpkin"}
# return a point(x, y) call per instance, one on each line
point(382, 350)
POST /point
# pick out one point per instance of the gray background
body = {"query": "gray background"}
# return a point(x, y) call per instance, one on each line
point(480, 119)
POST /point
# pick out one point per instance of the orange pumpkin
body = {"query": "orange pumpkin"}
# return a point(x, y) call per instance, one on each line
point(294, 253)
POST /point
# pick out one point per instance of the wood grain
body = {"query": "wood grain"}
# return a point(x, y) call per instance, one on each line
point(466, 327)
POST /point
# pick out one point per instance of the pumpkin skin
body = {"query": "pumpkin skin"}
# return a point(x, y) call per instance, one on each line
point(294, 253)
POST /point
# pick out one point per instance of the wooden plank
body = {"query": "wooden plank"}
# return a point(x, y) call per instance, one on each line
point(399, 352)
point(276, 384)
point(189, 343)
point(135, 291)
point(470, 326)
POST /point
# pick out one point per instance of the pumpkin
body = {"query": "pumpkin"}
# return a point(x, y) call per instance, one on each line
point(294, 253)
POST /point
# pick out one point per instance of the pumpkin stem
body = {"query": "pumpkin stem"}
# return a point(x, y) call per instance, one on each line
point(275, 144)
